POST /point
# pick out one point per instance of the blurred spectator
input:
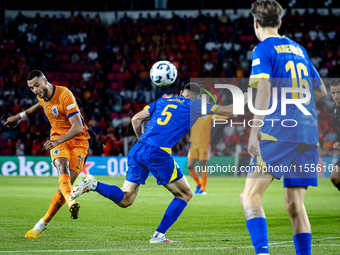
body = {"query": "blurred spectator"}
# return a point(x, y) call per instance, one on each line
point(107, 68)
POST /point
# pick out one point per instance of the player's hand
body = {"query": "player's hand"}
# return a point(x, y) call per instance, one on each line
point(11, 121)
point(253, 146)
point(245, 98)
point(336, 145)
point(49, 145)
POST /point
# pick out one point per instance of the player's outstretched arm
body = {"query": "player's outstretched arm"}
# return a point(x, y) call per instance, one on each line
point(33, 110)
point(76, 129)
point(319, 93)
point(137, 121)
point(228, 109)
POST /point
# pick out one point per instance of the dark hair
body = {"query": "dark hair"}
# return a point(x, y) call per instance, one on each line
point(267, 12)
point(33, 74)
point(335, 82)
point(193, 87)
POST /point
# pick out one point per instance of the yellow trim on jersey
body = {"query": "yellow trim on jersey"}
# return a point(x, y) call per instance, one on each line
point(260, 162)
point(318, 144)
point(174, 173)
point(168, 150)
point(254, 79)
point(268, 137)
point(214, 107)
point(146, 107)
point(268, 36)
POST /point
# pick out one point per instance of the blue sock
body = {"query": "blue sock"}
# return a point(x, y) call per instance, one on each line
point(303, 243)
point(174, 210)
point(258, 231)
point(111, 192)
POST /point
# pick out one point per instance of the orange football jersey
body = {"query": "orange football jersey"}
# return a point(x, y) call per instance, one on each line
point(59, 108)
point(200, 131)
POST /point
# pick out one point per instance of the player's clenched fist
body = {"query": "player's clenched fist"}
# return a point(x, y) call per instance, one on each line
point(49, 145)
point(253, 146)
point(12, 120)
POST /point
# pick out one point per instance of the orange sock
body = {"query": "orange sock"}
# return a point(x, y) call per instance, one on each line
point(65, 186)
point(204, 175)
point(193, 173)
point(56, 203)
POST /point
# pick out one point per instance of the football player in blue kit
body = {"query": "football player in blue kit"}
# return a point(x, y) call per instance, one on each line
point(279, 63)
point(170, 119)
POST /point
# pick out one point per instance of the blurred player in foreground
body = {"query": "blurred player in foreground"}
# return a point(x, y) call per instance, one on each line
point(200, 150)
point(335, 92)
point(170, 119)
point(292, 147)
point(68, 144)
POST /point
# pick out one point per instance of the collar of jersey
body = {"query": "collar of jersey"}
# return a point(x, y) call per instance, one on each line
point(268, 36)
point(48, 99)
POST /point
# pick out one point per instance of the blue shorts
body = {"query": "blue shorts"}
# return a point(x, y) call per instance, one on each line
point(144, 158)
point(296, 162)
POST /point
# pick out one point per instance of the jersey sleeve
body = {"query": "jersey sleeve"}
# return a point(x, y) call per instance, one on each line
point(196, 107)
point(151, 108)
point(69, 104)
point(261, 67)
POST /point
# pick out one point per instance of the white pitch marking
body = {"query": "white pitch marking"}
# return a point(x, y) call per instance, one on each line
point(173, 249)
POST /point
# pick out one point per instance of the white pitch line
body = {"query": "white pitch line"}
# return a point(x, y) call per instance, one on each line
point(320, 239)
point(166, 249)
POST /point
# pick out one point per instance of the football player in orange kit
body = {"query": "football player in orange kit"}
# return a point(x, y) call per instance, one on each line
point(68, 145)
point(200, 150)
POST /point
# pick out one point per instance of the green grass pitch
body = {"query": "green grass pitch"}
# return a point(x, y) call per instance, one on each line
point(212, 224)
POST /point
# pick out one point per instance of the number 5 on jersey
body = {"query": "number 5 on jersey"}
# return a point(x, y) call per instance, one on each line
point(166, 113)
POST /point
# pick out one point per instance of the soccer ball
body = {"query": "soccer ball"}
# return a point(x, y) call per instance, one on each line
point(163, 73)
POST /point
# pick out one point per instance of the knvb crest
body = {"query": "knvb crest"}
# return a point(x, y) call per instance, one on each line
point(55, 111)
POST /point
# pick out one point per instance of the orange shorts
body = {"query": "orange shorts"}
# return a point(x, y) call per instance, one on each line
point(200, 151)
point(75, 151)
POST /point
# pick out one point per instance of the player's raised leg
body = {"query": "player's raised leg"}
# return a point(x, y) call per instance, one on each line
point(56, 203)
point(294, 203)
point(182, 192)
point(194, 174)
point(122, 197)
point(256, 184)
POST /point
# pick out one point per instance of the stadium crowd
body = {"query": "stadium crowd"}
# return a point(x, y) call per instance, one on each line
point(107, 69)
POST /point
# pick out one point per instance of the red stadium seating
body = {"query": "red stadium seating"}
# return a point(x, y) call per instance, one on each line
point(65, 57)
point(71, 66)
point(133, 67)
point(120, 76)
point(80, 66)
point(49, 76)
point(111, 76)
point(77, 76)
point(116, 67)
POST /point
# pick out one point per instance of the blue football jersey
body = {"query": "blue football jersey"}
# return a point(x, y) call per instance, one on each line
point(286, 64)
point(170, 119)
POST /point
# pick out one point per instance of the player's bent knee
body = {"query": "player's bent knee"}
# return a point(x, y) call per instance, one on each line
point(186, 195)
point(127, 200)
point(293, 207)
